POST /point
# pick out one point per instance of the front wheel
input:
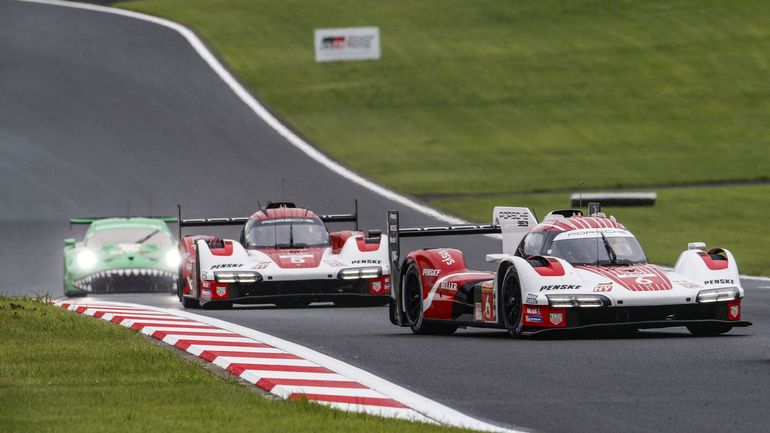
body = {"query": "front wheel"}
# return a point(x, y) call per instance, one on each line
point(412, 298)
point(708, 329)
point(511, 301)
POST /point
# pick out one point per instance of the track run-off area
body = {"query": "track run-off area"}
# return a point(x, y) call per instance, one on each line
point(104, 114)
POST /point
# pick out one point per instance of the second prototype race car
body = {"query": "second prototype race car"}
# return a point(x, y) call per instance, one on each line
point(569, 272)
point(287, 257)
point(134, 254)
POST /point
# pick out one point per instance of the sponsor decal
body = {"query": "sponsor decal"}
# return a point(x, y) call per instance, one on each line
point(376, 286)
point(488, 301)
point(735, 312)
point(205, 275)
point(556, 318)
point(560, 287)
point(260, 265)
point(446, 257)
point(221, 291)
point(533, 311)
point(603, 287)
point(477, 311)
point(521, 218)
point(534, 319)
point(531, 298)
point(205, 293)
point(225, 266)
point(352, 43)
point(365, 262)
point(431, 272)
point(448, 285)
point(719, 281)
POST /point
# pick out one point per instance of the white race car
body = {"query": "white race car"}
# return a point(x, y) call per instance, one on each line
point(285, 256)
point(569, 272)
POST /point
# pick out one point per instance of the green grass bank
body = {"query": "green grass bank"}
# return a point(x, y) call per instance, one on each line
point(62, 372)
point(490, 97)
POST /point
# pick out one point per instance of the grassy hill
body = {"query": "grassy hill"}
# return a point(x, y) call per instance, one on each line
point(497, 98)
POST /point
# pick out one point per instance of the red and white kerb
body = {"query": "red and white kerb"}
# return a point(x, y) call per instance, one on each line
point(279, 372)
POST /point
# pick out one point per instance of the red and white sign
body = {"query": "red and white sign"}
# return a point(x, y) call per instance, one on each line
point(345, 44)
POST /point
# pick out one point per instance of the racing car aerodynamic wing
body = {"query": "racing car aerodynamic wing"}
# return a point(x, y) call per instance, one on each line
point(91, 220)
point(395, 232)
point(237, 221)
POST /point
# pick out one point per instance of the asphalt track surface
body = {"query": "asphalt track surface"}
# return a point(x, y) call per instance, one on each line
point(101, 113)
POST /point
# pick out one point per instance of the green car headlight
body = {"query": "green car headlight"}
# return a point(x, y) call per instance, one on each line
point(173, 259)
point(86, 259)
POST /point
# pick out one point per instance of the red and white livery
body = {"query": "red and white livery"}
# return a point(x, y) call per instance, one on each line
point(285, 256)
point(569, 272)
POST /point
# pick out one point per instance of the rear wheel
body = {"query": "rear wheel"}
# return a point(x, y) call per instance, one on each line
point(708, 329)
point(412, 298)
point(511, 300)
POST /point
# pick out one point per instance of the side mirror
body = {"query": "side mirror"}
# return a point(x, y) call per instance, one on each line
point(69, 243)
point(373, 234)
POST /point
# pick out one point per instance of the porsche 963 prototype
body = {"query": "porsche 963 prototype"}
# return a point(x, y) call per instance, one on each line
point(568, 272)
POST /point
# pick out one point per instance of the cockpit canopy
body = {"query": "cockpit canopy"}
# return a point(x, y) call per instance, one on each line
point(289, 232)
point(604, 247)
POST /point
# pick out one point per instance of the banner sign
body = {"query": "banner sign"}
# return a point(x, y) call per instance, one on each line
point(353, 43)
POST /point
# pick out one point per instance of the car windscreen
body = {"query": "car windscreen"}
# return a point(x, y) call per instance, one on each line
point(129, 235)
point(598, 249)
point(286, 233)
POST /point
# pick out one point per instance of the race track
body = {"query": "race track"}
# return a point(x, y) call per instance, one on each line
point(101, 113)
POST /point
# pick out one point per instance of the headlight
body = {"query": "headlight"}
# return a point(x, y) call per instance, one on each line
point(364, 273)
point(86, 259)
point(718, 295)
point(239, 277)
point(568, 301)
point(173, 259)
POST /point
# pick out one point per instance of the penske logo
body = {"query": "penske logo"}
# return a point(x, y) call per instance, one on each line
point(560, 287)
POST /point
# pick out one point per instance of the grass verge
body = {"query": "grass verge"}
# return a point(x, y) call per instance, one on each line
point(61, 372)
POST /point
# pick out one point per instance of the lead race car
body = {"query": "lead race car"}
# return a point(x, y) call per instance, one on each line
point(569, 272)
point(285, 256)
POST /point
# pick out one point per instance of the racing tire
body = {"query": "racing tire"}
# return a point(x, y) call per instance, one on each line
point(411, 290)
point(292, 303)
point(511, 302)
point(708, 329)
point(188, 302)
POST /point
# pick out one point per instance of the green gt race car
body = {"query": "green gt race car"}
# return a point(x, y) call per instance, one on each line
point(120, 255)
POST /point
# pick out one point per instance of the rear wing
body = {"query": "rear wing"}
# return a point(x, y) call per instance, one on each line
point(237, 221)
point(91, 220)
point(513, 223)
